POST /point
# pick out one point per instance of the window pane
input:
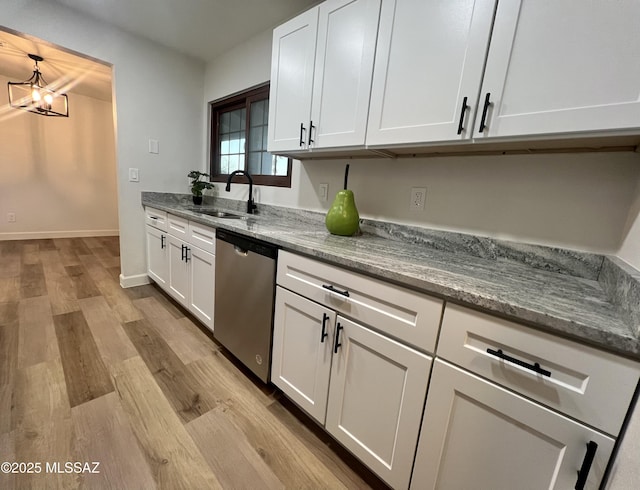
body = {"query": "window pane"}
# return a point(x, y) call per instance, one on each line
point(266, 164)
point(224, 122)
point(236, 120)
point(282, 165)
point(265, 137)
point(234, 163)
point(255, 162)
point(255, 139)
point(224, 164)
point(234, 144)
point(265, 119)
point(224, 144)
point(257, 113)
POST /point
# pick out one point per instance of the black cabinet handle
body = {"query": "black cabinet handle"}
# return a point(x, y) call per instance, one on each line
point(324, 335)
point(483, 120)
point(533, 367)
point(583, 474)
point(187, 257)
point(301, 131)
point(162, 241)
point(183, 254)
point(462, 112)
point(337, 344)
point(311, 126)
point(334, 290)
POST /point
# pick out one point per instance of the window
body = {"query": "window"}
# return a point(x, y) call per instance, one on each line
point(239, 140)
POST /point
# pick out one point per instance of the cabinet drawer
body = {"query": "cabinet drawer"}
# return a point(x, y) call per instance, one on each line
point(593, 386)
point(203, 237)
point(156, 218)
point(401, 313)
point(177, 226)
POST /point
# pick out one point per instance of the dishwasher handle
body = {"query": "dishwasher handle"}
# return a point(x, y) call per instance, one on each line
point(240, 251)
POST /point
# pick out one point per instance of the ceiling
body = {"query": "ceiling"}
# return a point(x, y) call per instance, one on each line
point(202, 29)
point(63, 70)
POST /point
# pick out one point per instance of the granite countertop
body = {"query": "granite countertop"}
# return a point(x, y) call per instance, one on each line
point(586, 297)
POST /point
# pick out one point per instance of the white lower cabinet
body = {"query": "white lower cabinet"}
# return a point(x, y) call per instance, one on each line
point(202, 285)
point(185, 271)
point(303, 332)
point(157, 255)
point(476, 434)
point(376, 397)
point(369, 387)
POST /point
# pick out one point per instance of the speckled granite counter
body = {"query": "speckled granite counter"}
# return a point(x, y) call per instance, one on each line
point(587, 297)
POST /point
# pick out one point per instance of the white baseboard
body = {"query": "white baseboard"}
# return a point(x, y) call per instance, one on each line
point(133, 281)
point(31, 235)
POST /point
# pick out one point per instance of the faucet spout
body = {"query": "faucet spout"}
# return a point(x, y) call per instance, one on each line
point(251, 206)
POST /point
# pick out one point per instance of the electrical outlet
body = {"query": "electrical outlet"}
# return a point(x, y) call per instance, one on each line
point(134, 175)
point(11, 217)
point(418, 198)
point(323, 192)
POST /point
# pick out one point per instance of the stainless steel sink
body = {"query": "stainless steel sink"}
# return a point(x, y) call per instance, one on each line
point(220, 214)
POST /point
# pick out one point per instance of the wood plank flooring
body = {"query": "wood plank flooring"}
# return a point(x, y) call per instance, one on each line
point(91, 372)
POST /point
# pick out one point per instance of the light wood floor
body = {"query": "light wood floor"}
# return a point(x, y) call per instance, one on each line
point(90, 372)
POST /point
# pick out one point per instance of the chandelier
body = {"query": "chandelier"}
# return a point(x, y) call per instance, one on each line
point(33, 95)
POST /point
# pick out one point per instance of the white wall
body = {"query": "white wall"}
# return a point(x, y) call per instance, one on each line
point(630, 249)
point(58, 175)
point(578, 201)
point(158, 94)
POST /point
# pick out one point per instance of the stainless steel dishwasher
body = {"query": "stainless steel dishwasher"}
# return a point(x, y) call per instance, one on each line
point(244, 298)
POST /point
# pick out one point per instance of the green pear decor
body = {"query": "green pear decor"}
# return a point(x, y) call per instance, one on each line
point(342, 218)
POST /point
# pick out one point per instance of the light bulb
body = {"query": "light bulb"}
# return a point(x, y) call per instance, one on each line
point(35, 95)
point(48, 99)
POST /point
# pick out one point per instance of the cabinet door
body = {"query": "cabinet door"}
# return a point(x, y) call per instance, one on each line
point(178, 271)
point(429, 61)
point(157, 256)
point(203, 273)
point(302, 346)
point(558, 66)
point(347, 31)
point(376, 398)
point(478, 435)
point(292, 63)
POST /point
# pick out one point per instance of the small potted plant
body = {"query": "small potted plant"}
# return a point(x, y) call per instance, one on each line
point(197, 185)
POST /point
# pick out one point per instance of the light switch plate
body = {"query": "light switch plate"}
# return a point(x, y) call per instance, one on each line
point(154, 146)
point(134, 175)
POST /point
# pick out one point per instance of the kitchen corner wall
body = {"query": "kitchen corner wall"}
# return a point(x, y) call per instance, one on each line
point(158, 95)
point(58, 175)
point(583, 201)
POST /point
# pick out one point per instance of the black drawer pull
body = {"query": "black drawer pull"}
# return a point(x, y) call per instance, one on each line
point(533, 367)
point(311, 126)
point(301, 131)
point(187, 251)
point(162, 241)
point(183, 254)
point(483, 120)
point(462, 112)
point(324, 335)
point(337, 344)
point(583, 474)
point(334, 290)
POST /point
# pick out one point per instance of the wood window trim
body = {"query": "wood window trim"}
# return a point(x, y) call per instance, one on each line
point(238, 101)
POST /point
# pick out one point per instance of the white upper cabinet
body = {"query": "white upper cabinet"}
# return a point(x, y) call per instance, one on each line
point(345, 52)
point(292, 61)
point(321, 70)
point(428, 70)
point(562, 66)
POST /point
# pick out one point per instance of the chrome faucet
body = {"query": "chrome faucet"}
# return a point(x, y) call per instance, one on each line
point(251, 206)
